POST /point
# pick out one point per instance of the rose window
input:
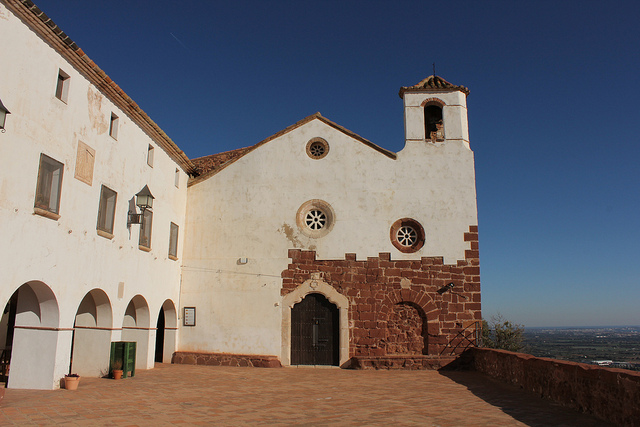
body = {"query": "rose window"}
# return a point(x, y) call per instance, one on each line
point(315, 219)
point(316, 149)
point(407, 236)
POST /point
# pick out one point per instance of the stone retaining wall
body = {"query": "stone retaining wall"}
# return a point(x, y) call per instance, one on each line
point(400, 362)
point(607, 393)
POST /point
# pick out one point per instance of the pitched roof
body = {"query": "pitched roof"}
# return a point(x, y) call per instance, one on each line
point(208, 166)
point(433, 83)
point(213, 162)
point(42, 25)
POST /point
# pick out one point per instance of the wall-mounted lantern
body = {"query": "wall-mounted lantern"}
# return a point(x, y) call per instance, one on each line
point(445, 288)
point(3, 116)
point(144, 200)
point(449, 288)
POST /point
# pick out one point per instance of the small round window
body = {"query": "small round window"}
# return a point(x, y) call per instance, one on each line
point(407, 235)
point(317, 148)
point(315, 218)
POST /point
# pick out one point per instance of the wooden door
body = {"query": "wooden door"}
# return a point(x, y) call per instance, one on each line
point(314, 332)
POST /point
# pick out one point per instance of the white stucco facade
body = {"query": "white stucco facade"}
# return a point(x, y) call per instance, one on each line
point(70, 288)
point(66, 272)
point(247, 212)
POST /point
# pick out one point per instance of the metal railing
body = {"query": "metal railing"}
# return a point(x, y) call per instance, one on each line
point(468, 336)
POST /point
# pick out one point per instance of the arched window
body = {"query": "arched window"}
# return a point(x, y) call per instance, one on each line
point(433, 125)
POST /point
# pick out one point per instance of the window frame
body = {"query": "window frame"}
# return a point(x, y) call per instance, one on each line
point(317, 148)
point(150, 155)
point(104, 211)
point(62, 86)
point(46, 183)
point(113, 126)
point(146, 225)
point(396, 230)
point(314, 213)
point(174, 231)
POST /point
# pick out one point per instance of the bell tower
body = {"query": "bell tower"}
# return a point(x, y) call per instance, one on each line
point(435, 111)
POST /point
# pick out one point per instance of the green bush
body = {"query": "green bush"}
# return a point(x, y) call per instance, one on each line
point(501, 334)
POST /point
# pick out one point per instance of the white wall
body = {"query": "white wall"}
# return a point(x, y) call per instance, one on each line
point(248, 210)
point(67, 254)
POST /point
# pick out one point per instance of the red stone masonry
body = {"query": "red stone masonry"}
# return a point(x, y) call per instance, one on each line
point(609, 394)
point(224, 359)
point(373, 287)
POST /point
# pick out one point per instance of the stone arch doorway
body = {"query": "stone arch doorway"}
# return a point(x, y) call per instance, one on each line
point(315, 285)
point(136, 327)
point(92, 330)
point(166, 331)
point(30, 335)
point(406, 330)
point(315, 325)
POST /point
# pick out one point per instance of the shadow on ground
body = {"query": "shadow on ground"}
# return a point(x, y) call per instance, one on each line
point(524, 406)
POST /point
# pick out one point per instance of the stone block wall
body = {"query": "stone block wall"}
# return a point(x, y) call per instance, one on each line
point(395, 307)
point(610, 394)
point(224, 359)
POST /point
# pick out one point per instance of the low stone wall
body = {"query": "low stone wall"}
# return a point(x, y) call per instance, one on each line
point(223, 359)
point(607, 393)
point(400, 362)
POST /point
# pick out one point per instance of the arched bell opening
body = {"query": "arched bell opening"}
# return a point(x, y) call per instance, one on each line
point(433, 123)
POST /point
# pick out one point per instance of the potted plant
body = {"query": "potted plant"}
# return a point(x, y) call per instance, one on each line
point(116, 369)
point(71, 381)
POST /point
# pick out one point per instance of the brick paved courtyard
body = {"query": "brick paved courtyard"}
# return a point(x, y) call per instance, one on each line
point(203, 395)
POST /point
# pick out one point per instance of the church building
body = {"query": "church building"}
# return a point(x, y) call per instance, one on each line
point(314, 246)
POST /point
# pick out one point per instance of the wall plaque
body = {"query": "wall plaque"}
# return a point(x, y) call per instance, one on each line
point(189, 318)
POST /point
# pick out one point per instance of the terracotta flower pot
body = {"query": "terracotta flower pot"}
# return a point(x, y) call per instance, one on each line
point(71, 383)
point(117, 374)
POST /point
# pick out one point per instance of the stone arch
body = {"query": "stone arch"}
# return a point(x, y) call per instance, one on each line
point(406, 332)
point(433, 101)
point(137, 313)
point(166, 332)
point(91, 342)
point(95, 310)
point(31, 339)
point(319, 286)
point(424, 302)
point(136, 327)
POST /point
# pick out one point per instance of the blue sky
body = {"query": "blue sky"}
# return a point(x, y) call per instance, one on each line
point(553, 114)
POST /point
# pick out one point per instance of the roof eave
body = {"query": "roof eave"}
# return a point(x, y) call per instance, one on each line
point(42, 25)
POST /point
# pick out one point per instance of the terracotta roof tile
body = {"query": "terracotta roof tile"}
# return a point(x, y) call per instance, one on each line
point(214, 162)
point(433, 83)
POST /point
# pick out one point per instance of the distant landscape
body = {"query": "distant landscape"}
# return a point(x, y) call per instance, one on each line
point(617, 347)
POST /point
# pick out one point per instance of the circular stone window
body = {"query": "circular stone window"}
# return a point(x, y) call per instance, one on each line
point(315, 218)
point(317, 148)
point(407, 235)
